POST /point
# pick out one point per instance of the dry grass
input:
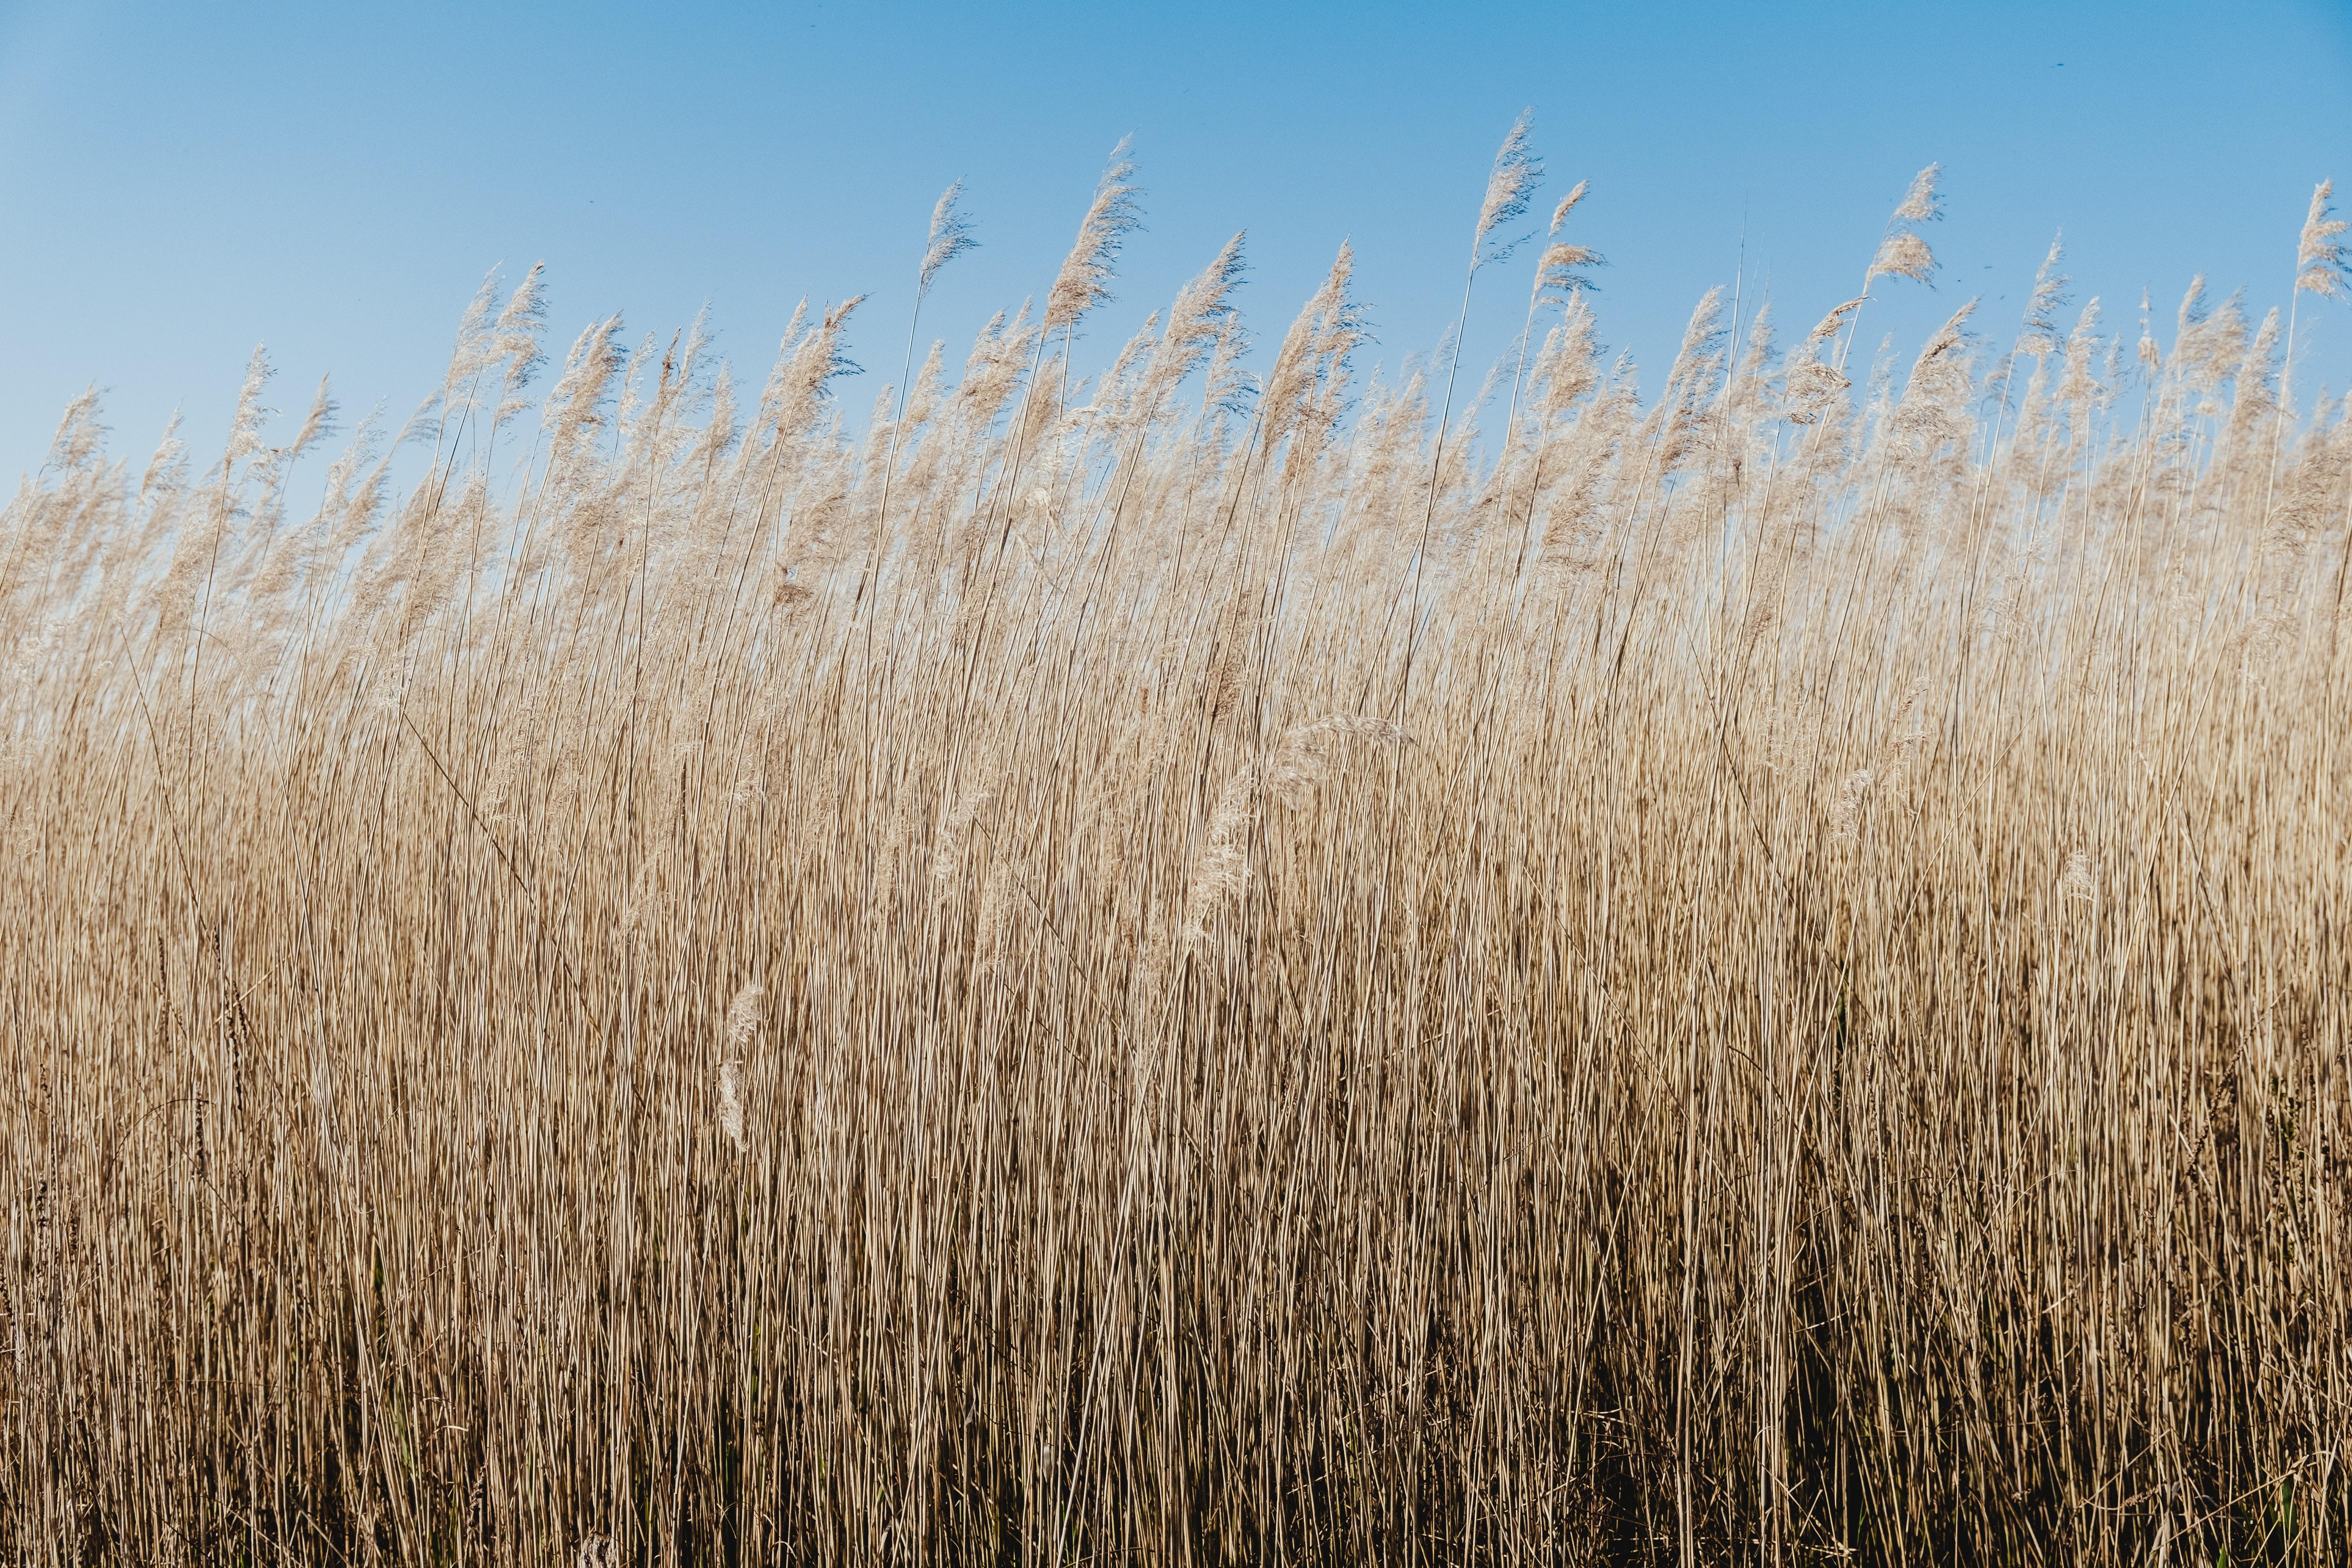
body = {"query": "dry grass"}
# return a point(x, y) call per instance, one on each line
point(1804, 1017)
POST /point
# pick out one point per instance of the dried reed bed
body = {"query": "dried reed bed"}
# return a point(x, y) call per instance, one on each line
point(1179, 967)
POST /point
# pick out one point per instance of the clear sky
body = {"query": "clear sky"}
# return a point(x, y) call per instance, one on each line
point(179, 183)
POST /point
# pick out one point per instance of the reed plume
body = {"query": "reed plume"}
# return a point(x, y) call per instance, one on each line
point(1084, 281)
point(2323, 262)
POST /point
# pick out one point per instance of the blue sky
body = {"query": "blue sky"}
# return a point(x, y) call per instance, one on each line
point(180, 182)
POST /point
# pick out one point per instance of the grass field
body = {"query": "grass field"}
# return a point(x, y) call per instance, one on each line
point(1179, 967)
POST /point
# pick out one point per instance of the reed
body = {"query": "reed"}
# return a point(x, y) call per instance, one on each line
point(697, 986)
